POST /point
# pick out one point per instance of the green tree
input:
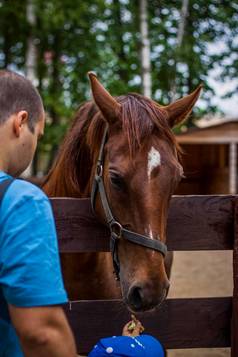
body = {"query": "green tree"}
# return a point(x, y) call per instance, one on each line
point(73, 37)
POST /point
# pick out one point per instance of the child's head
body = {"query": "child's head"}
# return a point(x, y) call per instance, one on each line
point(121, 346)
point(130, 344)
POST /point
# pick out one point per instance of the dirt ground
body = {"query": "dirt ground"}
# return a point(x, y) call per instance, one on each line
point(201, 274)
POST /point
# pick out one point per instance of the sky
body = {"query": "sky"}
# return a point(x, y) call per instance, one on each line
point(230, 105)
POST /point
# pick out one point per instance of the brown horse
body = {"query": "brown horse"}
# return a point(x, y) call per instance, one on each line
point(141, 171)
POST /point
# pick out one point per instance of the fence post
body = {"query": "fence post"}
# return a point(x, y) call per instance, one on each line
point(234, 327)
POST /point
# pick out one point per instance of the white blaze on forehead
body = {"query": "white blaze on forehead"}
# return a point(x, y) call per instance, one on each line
point(154, 160)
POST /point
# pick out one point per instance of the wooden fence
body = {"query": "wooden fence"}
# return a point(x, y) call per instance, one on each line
point(194, 223)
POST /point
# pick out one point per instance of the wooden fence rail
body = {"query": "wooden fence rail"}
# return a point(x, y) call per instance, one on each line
point(194, 223)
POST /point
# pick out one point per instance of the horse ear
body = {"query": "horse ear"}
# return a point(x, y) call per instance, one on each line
point(108, 106)
point(181, 108)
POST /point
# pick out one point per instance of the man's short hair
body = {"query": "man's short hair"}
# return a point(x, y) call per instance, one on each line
point(17, 93)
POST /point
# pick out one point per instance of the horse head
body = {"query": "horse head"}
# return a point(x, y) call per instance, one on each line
point(140, 172)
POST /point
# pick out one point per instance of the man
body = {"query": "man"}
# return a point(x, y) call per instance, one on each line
point(32, 322)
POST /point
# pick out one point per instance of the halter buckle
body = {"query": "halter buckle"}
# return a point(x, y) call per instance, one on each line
point(116, 229)
point(99, 170)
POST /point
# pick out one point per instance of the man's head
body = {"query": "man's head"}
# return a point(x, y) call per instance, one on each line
point(22, 122)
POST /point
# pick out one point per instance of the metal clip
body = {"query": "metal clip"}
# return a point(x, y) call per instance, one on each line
point(99, 170)
point(116, 229)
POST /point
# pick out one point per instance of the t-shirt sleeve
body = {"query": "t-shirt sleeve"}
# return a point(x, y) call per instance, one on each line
point(30, 273)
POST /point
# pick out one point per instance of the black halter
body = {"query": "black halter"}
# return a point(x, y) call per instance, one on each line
point(116, 229)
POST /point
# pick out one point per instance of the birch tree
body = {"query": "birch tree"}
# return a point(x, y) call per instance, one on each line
point(180, 36)
point(31, 51)
point(31, 59)
point(145, 50)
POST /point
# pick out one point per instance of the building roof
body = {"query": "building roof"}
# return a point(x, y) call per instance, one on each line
point(223, 132)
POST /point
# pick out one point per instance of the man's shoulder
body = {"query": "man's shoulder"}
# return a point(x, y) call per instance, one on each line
point(25, 206)
point(26, 189)
point(23, 192)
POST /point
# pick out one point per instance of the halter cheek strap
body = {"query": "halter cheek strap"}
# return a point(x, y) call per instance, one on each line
point(116, 229)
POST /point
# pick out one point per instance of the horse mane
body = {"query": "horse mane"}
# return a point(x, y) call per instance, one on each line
point(71, 173)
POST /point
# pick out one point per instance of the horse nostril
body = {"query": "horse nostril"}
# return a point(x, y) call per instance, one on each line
point(135, 297)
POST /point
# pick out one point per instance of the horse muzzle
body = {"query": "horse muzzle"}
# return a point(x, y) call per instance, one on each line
point(141, 297)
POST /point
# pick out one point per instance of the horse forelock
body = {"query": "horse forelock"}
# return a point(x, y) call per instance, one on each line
point(140, 118)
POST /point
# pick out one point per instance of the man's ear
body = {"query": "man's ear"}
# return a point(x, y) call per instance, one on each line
point(179, 110)
point(19, 120)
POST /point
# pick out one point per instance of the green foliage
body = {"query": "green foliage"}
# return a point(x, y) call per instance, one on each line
point(73, 37)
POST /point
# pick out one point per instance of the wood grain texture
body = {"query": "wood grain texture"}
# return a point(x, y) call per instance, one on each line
point(234, 336)
point(77, 227)
point(194, 223)
point(201, 223)
point(179, 323)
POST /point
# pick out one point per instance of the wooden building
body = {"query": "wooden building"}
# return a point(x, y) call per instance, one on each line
point(210, 158)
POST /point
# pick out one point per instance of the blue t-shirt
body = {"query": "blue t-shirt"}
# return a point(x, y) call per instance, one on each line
point(30, 272)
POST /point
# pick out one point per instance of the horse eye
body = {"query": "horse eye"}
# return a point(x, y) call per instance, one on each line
point(117, 181)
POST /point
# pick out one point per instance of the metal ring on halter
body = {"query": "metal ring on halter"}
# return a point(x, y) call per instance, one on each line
point(99, 170)
point(116, 229)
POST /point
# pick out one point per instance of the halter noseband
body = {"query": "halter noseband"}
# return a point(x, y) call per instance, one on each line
point(116, 229)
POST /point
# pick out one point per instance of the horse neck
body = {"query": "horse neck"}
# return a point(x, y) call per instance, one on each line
point(58, 183)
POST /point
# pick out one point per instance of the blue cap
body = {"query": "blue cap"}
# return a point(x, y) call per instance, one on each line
point(125, 346)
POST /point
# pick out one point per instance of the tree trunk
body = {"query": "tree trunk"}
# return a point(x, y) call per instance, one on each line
point(6, 48)
point(119, 43)
point(145, 50)
point(181, 28)
point(55, 92)
point(31, 52)
point(180, 35)
point(31, 64)
point(6, 34)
